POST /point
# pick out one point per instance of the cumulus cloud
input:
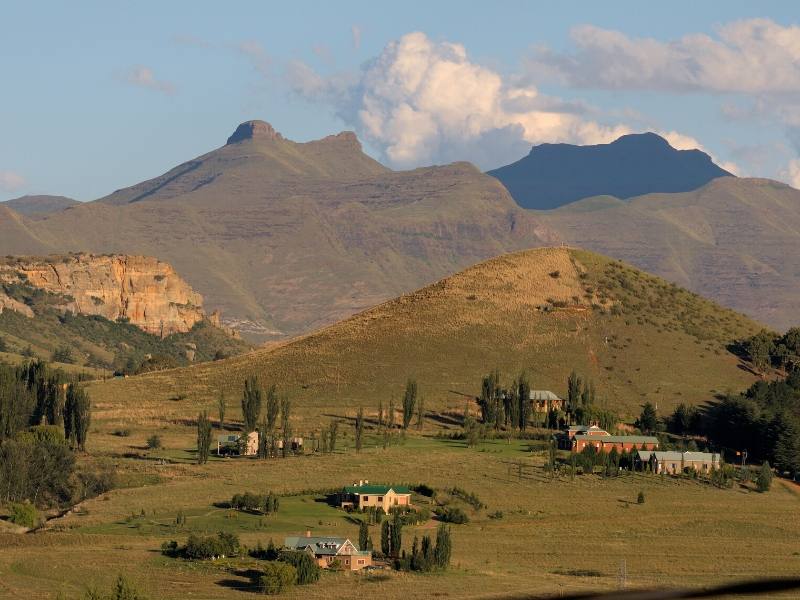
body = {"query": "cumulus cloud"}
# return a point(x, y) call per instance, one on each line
point(792, 173)
point(422, 102)
point(145, 78)
point(255, 52)
point(749, 56)
point(11, 181)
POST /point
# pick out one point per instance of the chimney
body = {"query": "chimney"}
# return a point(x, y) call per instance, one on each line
point(366, 482)
point(308, 533)
point(360, 482)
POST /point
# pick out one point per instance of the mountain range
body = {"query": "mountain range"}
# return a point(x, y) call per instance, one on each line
point(40, 204)
point(286, 237)
point(553, 175)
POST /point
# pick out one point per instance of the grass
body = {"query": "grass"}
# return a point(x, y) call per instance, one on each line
point(546, 542)
point(644, 340)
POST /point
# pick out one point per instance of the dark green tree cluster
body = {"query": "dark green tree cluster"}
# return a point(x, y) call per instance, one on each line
point(77, 416)
point(409, 401)
point(392, 536)
point(203, 547)
point(501, 407)
point(122, 589)
point(427, 555)
point(769, 350)
point(648, 419)
point(765, 421)
point(267, 504)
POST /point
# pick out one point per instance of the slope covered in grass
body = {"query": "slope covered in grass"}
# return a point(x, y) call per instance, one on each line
point(545, 311)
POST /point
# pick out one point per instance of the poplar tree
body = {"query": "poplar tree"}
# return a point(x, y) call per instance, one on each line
point(251, 403)
point(203, 437)
point(443, 548)
point(363, 536)
point(286, 426)
point(359, 429)
point(221, 408)
point(272, 407)
point(523, 399)
point(420, 413)
point(409, 401)
point(77, 416)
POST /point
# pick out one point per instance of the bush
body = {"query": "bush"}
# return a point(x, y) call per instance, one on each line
point(452, 514)
point(764, 478)
point(308, 571)
point(640, 498)
point(154, 442)
point(202, 548)
point(276, 577)
point(467, 497)
point(24, 514)
point(63, 355)
point(424, 490)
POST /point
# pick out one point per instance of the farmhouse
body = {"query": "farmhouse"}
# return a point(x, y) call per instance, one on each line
point(604, 443)
point(331, 551)
point(235, 443)
point(678, 462)
point(544, 400)
point(566, 437)
point(363, 495)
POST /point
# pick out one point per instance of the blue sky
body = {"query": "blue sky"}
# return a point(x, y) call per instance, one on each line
point(100, 95)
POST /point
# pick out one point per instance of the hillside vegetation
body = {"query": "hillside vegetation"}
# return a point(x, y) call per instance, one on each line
point(545, 311)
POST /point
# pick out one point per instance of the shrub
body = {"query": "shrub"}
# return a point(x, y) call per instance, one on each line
point(764, 478)
point(24, 514)
point(122, 432)
point(467, 497)
point(452, 514)
point(154, 442)
point(424, 490)
point(640, 498)
point(202, 548)
point(63, 354)
point(308, 571)
point(276, 577)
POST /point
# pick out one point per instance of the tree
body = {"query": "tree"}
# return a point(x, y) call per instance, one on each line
point(573, 390)
point(251, 403)
point(221, 409)
point(760, 348)
point(332, 434)
point(764, 479)
point(391, 414)
point(286, 426)
point(409, 401)
point(443, 548)
point(648, 420)
point(420, 413)
point(359, 429)
point(396, 535)
point(523, 398)
point(308, 571)
point(276, 577)
point(77, 416)
point(490, 392)
point(203, 437)
point(3, 345)
point(386, 542)
point(363, 535)
point(272, 407)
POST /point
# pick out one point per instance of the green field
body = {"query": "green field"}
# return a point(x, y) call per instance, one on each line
point(556, 535)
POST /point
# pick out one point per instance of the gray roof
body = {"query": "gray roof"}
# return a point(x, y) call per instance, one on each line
point(325, 546)
point(678, 456)
point(228, 438)
point(543, 395)
point(619, 439)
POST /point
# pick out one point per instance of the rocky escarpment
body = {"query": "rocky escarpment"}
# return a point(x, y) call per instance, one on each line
point(144, 290)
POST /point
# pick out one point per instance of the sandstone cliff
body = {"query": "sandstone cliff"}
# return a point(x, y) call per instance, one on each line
point(147, 292)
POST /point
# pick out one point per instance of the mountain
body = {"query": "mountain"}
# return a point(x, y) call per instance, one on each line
point(734, 240)
point(109, 311)
point(546, 311)
point(285, 237)
point(38, 205)
point(553, 175)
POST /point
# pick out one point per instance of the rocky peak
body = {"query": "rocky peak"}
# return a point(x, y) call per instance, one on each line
point(343, 138)
point(250, 130)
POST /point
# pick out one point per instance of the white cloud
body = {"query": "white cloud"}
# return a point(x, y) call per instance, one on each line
point(355, 32)
point(255, 52)
point(792, 173)
point(422, 102)
point(144, 77)
point(749, 56)
point(11, 181)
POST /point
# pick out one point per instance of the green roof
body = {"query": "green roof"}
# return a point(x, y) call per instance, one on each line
point(619, 439)
point(375, 489)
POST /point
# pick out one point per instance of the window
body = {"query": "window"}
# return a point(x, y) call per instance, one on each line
point(365, 498)
point(361, 561)
point(380, 498)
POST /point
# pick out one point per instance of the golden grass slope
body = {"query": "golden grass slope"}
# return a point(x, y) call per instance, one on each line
point(545, 311)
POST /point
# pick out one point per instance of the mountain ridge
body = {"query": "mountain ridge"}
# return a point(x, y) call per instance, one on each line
point(552, 175)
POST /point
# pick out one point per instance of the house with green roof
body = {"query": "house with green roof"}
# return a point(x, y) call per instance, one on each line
point(363, 495)
point(623, 443)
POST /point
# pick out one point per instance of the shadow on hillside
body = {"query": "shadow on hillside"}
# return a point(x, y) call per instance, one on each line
point(246, 585)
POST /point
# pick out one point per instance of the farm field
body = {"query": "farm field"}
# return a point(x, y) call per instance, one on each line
point(556, 535)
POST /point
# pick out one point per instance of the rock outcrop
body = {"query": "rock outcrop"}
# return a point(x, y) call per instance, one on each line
point(144, 290)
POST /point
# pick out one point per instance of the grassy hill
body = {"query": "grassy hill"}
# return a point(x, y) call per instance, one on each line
point(733, 240)
point(546, 311)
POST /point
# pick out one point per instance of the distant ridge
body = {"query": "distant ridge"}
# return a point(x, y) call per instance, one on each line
point(553, 175)
point(39, 205)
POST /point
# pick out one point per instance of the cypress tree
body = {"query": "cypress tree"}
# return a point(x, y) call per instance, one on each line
point(386, 543)
point(420, 413)
point(203, 437)
point(363, 535)
point(409, 401)
point(286, 426)
point(359, 429)
point(443, 549)
point(396, 536)
point(523, 398)
point(77, 416)
point(272, 407)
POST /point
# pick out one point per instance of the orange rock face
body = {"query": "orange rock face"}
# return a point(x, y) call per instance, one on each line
point(146, 291)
